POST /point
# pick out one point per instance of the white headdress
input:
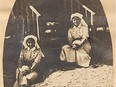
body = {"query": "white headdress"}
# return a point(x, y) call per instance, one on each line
point(34, 38)
point(76, 14)
point(36, 44)
point(81, 17)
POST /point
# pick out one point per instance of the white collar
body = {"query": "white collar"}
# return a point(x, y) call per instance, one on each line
point(32, 49)
point(78, 26)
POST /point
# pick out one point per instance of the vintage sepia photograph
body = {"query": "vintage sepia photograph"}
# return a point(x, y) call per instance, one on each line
point(57, 43)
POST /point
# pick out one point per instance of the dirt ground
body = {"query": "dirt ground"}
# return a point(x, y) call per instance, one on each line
point(80, 77)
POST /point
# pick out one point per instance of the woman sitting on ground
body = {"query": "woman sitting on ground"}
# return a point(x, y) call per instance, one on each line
point(30, 57)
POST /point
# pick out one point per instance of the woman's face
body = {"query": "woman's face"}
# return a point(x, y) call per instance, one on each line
point(30, 42)
point(76, 21)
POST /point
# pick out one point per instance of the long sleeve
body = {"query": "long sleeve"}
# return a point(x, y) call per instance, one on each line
point(85, 33)
point(85, 29)
point(37, 59)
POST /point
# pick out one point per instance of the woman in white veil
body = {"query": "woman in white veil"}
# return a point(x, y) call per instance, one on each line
point(30, 57)
point(79, 46)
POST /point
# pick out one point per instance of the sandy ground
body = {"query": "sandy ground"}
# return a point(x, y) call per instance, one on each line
point(80, 77)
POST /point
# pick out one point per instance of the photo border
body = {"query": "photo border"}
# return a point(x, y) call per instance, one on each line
point(5, 10)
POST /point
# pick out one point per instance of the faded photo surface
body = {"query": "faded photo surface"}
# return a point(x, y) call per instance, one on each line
point(58, 43)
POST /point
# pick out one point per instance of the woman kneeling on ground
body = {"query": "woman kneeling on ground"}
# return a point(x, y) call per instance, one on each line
point(79, 46)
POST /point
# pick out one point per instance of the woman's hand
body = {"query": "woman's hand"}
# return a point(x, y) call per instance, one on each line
point(78, 42)
point(73, 46)
point(24, 70)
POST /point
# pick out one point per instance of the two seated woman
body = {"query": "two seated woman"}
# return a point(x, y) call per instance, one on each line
point(77, 51)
